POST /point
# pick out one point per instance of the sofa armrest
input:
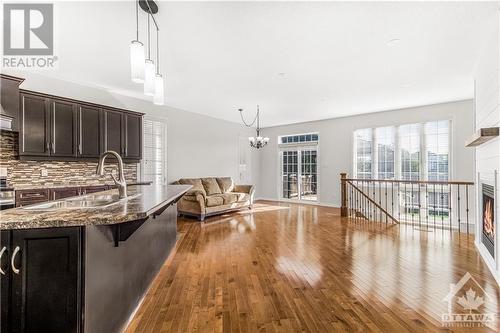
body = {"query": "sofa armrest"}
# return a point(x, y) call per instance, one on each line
point(249, 189)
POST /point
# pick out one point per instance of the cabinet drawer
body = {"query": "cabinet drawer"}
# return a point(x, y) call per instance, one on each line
point(28, 197)
point(93, 189)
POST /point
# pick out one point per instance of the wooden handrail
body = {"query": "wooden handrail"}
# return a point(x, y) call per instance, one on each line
point(373, 202)
point(432, 182)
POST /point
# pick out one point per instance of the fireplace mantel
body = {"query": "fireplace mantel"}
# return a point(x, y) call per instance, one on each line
point(481, 136)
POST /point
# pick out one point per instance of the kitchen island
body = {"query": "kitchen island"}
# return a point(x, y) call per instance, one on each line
point(84, 263)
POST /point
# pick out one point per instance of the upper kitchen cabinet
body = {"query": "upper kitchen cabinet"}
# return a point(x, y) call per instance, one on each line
point(34, 136)
point(9, 98)
point(89, 131)
point(133, 136)
point(113, 131)
point(63, 128)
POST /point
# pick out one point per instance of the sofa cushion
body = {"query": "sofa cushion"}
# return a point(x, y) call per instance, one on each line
point(229, 198)
point(195, 182)
point(214, 200)
point(211, 186)
point(190, 198)
point(242, 196)
point(226, 184)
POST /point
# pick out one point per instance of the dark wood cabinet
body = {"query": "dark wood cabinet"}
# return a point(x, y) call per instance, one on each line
point(35, 129)
point(133, 136)
point(45, 280)
point(5, 252)
point(54, 128)
point(63, 128)
point(89, 131)
point(113, 131)
point(66, 192)
point(94, 189)
point(9, 98)
point(30, 197)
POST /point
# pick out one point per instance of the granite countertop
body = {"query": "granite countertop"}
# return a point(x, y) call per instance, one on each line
point(63, 185)
point(149, 200)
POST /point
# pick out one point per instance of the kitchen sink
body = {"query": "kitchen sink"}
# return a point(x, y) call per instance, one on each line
point(88, 201)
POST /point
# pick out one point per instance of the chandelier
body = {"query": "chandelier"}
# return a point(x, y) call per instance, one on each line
point(257, 141)
point(143, 70)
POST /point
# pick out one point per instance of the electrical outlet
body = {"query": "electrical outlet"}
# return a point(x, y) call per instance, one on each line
point(44, 172)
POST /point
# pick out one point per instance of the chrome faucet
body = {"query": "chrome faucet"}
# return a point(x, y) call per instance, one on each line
point(120, 182)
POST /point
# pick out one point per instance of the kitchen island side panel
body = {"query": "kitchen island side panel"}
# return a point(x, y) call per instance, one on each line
point(117, 278)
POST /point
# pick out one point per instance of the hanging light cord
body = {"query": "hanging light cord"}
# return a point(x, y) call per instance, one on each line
point(254, 120)
point(137, 20)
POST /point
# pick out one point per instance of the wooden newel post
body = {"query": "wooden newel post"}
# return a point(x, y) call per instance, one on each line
point(343, 194)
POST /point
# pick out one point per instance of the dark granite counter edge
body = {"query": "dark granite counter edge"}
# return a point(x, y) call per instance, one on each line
point(47, 186)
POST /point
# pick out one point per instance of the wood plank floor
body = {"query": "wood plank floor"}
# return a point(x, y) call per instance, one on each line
point(300, 268)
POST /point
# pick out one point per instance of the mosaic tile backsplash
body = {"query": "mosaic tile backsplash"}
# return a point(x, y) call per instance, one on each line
point(23, 174)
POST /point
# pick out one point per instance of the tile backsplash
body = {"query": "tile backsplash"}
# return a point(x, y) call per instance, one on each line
point(23, 174)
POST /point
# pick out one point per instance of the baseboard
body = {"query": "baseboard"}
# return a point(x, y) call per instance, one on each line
point(313, 203)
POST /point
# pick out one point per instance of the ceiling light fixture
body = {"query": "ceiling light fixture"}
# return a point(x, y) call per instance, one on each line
point(393, 41)
point(258, 141)
point(137, 53)
point(143, 69)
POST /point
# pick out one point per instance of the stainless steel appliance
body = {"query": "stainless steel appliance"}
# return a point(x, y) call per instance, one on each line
point(7, 197)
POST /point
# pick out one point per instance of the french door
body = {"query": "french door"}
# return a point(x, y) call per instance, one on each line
point(299, 174)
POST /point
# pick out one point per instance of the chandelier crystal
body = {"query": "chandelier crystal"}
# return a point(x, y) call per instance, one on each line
point(255, 141)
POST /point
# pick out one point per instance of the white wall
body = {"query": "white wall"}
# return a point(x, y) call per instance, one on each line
point(487, 114)
point(336, 145)
point(197, 145)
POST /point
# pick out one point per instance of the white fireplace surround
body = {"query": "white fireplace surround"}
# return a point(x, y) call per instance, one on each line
point(492, 263)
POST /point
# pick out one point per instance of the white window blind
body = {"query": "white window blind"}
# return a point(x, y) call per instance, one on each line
point(153, 165)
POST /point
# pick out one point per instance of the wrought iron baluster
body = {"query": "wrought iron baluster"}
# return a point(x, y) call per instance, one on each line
point(441, 210)
point(449, 205)
point(467, 206)
point(426, 207)
point(458, 206)
point(434, 207)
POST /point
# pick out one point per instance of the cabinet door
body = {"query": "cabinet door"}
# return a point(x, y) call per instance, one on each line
point(4, 280)
point(133, 136)
point(61, 193)
point(63, 128)
point(34, 134)
point(46, 289)
point(89, 131)
point(113, 131)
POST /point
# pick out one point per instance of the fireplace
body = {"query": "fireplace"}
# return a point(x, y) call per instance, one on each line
point(488, 218)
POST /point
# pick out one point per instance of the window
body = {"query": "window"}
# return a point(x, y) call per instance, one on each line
point(419, 151)
point(363, 141)
point(299, 138)
point(409, 143)
point(384, 137)
point(437, 149)
point(153, 165)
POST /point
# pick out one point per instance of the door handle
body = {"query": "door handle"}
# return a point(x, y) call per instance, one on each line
point(13, 258)
point(1, 254)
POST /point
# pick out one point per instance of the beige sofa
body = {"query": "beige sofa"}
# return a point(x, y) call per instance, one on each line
point(211, 196)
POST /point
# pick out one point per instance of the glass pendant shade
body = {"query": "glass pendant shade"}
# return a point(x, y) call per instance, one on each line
point(158, 98)
point(137, 61)
point(149, 77)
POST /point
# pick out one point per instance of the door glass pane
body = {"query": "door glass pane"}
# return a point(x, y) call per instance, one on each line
point(289, 172)
point(308, 178)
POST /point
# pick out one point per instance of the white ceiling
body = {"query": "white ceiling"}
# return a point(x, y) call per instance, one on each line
point(219, 56)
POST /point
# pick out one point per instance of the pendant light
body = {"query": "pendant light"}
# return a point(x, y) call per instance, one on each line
point(149, 69)
point(258, 141)
point(158, 97)
point(137, 53)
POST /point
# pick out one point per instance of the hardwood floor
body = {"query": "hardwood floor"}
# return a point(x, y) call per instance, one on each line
point(301, 268)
